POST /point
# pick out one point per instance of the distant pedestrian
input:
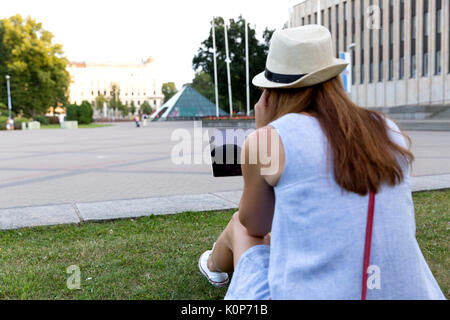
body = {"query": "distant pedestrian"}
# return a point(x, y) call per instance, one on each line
point(61, 119)
point(10, 124)
point(144, 120)
point(137, 122)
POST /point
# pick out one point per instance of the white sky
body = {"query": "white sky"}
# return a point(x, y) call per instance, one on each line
point(130, 30)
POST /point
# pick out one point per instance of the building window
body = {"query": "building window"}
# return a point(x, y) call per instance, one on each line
point(322, 17)
point(309, 19)
point(303, 21)
point(391, 41)
point(413, 71)
point(437, 60)
point(380, 71)
point(329, 19)
point(353, 21)
point(380, 47)
point(402, 40)
point(425, 38)
point(315, 18)
point(345, 25)
point(337, 30)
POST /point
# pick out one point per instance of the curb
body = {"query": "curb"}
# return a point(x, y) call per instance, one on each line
point(75, 213)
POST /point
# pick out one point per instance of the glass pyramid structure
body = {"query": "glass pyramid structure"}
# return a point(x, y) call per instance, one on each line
point(188, 103)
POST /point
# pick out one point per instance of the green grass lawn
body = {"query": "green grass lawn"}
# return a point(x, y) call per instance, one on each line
point(80, 126)
point(156, 257)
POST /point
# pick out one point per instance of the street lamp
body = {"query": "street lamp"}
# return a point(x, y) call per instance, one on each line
point(9, 94)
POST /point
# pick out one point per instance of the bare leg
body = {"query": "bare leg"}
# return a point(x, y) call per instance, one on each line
point(231, 244)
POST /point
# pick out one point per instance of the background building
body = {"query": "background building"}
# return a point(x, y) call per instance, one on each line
point(400, 55)
point(137, 82)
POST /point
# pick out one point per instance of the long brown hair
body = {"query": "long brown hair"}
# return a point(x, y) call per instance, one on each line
point(363, 155)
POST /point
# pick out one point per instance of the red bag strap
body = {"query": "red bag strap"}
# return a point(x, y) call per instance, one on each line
point(367, 245)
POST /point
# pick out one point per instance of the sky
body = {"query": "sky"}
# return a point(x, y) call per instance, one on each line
point(132, 30)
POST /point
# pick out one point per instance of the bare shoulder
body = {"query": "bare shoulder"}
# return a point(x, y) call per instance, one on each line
point(264, 150)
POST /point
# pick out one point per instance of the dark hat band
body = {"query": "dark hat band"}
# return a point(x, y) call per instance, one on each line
point(282, 78)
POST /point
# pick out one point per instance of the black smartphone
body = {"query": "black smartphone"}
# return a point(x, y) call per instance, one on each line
point(225, 145)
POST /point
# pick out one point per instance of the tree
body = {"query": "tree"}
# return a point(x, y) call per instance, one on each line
point(39, 79)
point(204, 85)
point(114, 100)
point(146, 108)
point(204, 61)
point(85, 113)
point(132, 108)
point(72, 112)
point(124, 110)
point(3, 109)
point(99, 101)
point(169, 89)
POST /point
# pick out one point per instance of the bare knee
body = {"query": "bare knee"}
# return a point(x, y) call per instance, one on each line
point(236, 223)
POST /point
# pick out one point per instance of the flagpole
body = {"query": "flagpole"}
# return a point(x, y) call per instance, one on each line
point(230, 99)
point(215, 67)
point(247, 67)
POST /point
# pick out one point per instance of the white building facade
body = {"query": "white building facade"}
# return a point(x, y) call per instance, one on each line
point(136, 82)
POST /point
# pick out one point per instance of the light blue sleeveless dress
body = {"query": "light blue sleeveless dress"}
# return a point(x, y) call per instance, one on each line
point(318, 232)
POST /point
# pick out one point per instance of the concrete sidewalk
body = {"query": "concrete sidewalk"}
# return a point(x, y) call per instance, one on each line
point(21, 217)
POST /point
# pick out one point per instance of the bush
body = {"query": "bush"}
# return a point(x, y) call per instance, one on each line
point(18, 123)
point(72, 112)
point(3, 121)
point(42, 119)
point(52, 119)
point(3, 109)
point(85, 113)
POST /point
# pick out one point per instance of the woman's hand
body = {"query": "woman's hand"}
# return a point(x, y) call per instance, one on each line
point(262, 111)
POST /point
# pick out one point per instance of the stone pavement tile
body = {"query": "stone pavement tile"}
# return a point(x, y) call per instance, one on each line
point(435, 182)
point(15, 218)
point(440, 177)
point(232, 196)
point(144, 207)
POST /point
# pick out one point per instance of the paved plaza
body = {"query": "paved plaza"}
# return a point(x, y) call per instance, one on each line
point(121, 168)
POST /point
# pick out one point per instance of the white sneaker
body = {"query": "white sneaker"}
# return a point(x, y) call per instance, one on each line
point(217, 279)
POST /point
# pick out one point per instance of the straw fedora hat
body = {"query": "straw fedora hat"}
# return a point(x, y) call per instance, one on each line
point(300, 57)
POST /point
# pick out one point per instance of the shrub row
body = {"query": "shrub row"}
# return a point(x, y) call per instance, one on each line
point(17, 122)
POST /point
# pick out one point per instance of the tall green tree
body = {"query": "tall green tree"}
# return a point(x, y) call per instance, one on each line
point(85, 113)
point(204, 85)
point(146, 108)
point(132, 108)
point(37, 66)
point(169, 89)
point(204, 60)
point(99, 100)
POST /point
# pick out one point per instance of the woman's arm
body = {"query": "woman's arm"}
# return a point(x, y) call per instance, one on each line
point(262, 166)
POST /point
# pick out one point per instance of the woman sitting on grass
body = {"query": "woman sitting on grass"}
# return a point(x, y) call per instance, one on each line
point(304, 229)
